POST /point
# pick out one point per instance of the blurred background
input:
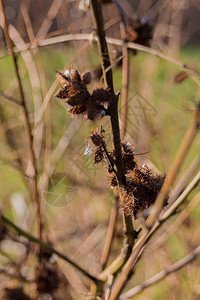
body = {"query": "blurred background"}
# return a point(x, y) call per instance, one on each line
point(74, 193)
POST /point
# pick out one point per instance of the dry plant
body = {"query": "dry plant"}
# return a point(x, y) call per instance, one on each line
point(145, 198)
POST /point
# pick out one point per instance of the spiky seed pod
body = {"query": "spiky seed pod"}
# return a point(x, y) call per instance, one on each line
point(77, 97)
point(128, 157)
point(86, 78)
point(75, 94)
point(98, 155)
point(78, 109)
point(62, 93)
point(75, 75)
point(102, 96)
point(97, 138)
point(127, 203)
point(91, 111)
point(113, 180)
point(143, 185)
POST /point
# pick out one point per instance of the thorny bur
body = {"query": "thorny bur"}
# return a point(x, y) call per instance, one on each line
point(143, 184)
point(92, 104)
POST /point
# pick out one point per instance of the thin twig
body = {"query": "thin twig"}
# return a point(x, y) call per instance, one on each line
point(180, 199)
point(176, 224)
point(158, 277)
point(43, 83)
point(52, 13)
point(108, 287)
point(184, 179)
point(110, 232)
point(125, 71)
point(10, 98)
point(125, 81)
point(14, 165)
point(172, 174)
point(46, 246)
point(91, 37)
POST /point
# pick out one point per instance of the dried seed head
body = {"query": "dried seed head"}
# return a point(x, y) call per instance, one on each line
point(62, 93)
point(144, 185)
point(98, 155)
point(77, 96)
point(97, 138)
point(113, 180)
point(86, 78)
point(128, 156)
point(78, 109)
point(127, 203)
point(74, 92)
point(102, 96)
point(75, 75)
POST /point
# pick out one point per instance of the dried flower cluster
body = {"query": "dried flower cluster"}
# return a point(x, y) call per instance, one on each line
point(142, 184)
point(97, 145)
point(74, 91)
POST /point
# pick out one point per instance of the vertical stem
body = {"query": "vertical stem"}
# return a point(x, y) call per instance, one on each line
point(33, 184)
point(108, 79)
point(110, 232)
point(129, 231)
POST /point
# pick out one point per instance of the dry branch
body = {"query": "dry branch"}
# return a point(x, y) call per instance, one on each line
point(195, 76)
point(158, 277)
point(108, 79)
point(110, 232)
point(46, 246)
